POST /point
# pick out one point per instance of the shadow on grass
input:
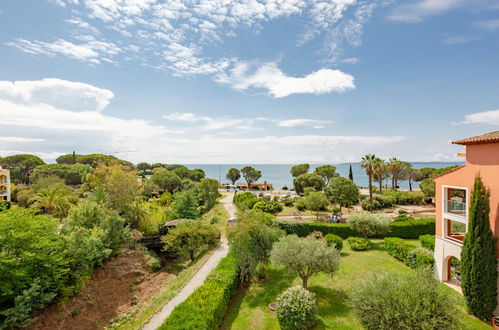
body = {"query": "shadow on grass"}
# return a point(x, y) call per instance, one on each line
point(333, 303)
point(378, 246)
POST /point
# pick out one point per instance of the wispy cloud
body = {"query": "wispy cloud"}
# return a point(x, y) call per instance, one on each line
point(458, 40)
point(486, 117)
point(489, 25)
point(19, 139)
point(418, 10)
point(304, 122)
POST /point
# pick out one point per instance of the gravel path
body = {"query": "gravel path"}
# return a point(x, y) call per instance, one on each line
point(157, 320)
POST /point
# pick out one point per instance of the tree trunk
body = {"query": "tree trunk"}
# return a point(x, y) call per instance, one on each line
point(381, 186)
point(410, 184)
point(371, 192)
point(305, 282)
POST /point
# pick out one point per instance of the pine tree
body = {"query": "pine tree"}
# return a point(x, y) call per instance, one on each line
point(350, 173)
point(478, 257)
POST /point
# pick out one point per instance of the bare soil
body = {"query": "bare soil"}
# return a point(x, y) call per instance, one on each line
point(115, 288)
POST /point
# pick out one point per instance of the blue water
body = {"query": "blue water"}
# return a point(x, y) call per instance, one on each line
point(278, 174)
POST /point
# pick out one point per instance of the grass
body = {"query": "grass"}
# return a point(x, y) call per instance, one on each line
point(221, 213)
point(249, 308)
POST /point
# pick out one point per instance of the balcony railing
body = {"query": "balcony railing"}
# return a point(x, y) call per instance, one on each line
point(456, 207)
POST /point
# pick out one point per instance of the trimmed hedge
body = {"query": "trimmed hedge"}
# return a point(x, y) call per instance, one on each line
point(404, 229)
point(409, 254)
point(359, 243)
point(206, 307)
point(428, 242)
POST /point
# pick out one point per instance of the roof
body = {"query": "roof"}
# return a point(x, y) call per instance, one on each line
point(492, 137)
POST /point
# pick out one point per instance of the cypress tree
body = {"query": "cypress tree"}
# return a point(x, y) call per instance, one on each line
point(350, 173)
point(478, 256)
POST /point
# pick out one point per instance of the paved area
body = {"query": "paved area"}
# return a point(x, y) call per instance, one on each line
point(157, 320)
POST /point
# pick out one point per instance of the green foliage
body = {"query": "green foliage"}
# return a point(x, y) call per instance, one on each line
point(272, 207)
point(428, 241)
point(399, 248)
point(305, 256)
point(300, 169)
point(368, 224)
point(205, 308)
point(404, 197)
point(185, 204)
point(190, 238)
point(71, 174)
point(427, 187)
point(404, 229)
point(334, 240)
point(32, 263)
point(245, 201)
point(208, 192)
point(316, 201)
point(251, 240)
point(153, 261)
point(296, 309)
point(300, 204)
point(308, 180)
point(251, 175)
point(421, 257)
point(5, 205)
point(359, 243)
point(350, 173)
point(154, 216)
point(478, 256)
point(25, 197)
point(53, 200)
point(288, 202)
point(327, 172)
point(233, 175)
point(166, 181)
point(342, 191)
point(21, 166)
point(413, 301)
point(94, 160)
point(368, 206)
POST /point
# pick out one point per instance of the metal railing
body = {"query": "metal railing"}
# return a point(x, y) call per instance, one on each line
point(456, 207)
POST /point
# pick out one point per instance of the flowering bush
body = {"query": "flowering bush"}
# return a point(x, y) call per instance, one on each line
point(296, 309)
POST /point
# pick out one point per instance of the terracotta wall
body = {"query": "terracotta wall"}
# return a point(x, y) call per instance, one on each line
point(482, 159)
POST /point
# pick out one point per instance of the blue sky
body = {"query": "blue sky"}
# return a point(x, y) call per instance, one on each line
point(253, 81)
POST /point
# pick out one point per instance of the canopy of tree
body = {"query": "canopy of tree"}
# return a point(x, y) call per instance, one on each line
point(71, 174)
point(308, 180)
point(93, 160)
point(21, 166)
point(300, 169)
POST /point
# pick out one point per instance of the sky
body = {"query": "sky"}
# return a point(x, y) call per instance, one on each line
point(248, 81)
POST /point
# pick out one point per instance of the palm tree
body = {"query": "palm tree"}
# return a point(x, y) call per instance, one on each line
point(368, 163)
point(51, 201)
point(380, 172)
point(97, 195)
point(395, 167)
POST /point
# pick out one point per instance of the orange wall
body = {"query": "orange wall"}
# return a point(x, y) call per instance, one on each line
point(482, 159)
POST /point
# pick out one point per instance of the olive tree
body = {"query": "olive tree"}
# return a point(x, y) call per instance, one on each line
point(342, 191)
point(305, 256)
point(316, 201)
point(368, 224)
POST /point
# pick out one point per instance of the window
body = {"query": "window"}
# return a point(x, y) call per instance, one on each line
point(455, 201)
point(455, 230)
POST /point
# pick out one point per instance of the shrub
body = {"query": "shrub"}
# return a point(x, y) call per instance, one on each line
point(402, 212)
point(403, 217)
point(399, 248)
point(284, 188)
point(5, 205)
point(245, 201)
point(268, 206)
point(153, 261)
point(335, 240)
point(336, 209)
point(412, 228)
point(366, 204)
point(214, 219)
point(413, 301)
point(368, 224)
point(300, 204)
point(359, 243)
point(206, 307)
point(420, 257)
point(288, 202)
point(428, 241)
point(404, 197)
point(296, 309)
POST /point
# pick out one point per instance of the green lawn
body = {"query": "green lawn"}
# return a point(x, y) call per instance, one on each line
point(249, 308)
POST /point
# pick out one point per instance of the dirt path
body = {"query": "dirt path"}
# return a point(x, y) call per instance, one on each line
point(198, 279)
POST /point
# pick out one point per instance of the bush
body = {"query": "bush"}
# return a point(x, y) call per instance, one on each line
point(403, 217)
point(366, 205)
point(402, 212)
point(268, 206)
point(404, 197)
point(205, 308)
point(404, 229)
point(413, 301)
point(284, 188)
point(288, 202)
point(359, 243)
point(153, 261)
point(421, 257)
point(428, 241)
point(5, 205)
point(245, 201)
point(336, 209)
point(296, 309)
point(368, 224)
point(300, 204)
point(334, 239)
point(399, 248)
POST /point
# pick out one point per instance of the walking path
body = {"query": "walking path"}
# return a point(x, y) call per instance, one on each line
point(198, 279)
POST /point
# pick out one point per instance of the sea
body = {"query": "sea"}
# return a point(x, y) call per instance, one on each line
point(279, 176)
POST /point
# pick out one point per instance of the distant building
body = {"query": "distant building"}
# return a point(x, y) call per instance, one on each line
point(4, 185)
point(452, 192)
point(261, 186)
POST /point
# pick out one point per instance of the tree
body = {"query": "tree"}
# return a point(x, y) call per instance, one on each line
point(251, 240)
point(250, 175)
point(72, 174)
point(300, 169)
point(409, 174)
point(395, 167)
point(350, 173)
point(233, 175)
point(167, 181)
point(368, 163)
point(308, 180)
point(316, 201)
point(21, 166)
point(427, 186)
point(185, 204)
point(478, 256)
point(208, 192)
point(368, 224)
point(342, 191)
point(143, 166)
point(379, 172)
point(305, 256)
point(189, 238)
point(52, 201)
point(327, 172)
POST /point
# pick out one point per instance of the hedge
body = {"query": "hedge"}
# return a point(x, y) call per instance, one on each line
point(428, 241)
point(206, 307)
point(404, 229)
point(359, 243)
point(409, 254)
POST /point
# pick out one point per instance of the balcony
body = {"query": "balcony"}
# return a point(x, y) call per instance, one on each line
point(455, 202)
point(455, 207)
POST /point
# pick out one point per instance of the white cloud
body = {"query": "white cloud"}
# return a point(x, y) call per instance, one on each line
point(18, 139)
point(487, 117)
point(418, 10)
point(489, 25)
point(304, 122)
point(212, 123)
point(63, 94)
point(278, 84)
point(458, 40)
